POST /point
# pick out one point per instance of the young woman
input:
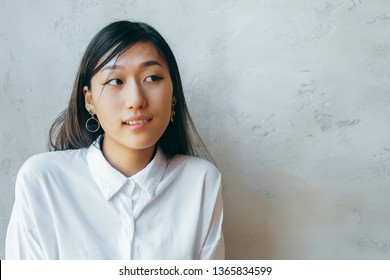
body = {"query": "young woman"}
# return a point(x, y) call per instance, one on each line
point(123, 181)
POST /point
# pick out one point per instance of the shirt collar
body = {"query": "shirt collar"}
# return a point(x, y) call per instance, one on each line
point(110, 180)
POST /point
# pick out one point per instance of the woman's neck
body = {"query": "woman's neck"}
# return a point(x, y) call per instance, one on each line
point(124, 159)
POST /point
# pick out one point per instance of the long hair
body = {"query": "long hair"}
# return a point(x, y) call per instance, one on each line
point(68, 130)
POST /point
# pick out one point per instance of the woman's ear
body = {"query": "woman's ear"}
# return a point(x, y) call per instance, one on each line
point(88, 98)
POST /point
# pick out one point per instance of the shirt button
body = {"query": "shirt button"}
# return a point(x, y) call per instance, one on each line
point(127, 223)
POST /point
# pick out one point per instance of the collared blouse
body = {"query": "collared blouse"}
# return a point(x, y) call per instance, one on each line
point(74, 205)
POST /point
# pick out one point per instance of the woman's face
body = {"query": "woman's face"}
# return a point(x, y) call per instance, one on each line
point(132, 98)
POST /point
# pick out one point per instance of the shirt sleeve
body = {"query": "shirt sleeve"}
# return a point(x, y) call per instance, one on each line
point(22, 244)
point(213, 247)
point(23, 240)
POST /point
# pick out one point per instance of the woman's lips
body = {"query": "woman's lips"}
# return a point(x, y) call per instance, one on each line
point(137, 122)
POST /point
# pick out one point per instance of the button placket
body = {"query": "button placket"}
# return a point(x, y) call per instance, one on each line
point(129, 223)
point(124, 208)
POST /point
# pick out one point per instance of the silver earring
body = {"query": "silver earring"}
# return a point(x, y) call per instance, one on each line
point(173, 113)
point(92, 124)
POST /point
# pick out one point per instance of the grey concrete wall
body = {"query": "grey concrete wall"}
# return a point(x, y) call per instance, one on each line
point(291, 97)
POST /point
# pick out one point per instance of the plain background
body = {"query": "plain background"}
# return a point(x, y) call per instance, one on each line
point(291, 97)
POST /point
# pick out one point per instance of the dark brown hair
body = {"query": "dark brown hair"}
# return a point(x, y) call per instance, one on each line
point(68, 130)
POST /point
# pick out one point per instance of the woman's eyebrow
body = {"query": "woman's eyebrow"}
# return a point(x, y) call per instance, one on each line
point(143, 64)
point(150, 63)
point(112, 67)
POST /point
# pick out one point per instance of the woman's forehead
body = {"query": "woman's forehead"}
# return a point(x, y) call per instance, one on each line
point(142, 53)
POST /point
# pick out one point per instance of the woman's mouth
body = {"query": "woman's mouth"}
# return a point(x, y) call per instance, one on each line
point(136, 122)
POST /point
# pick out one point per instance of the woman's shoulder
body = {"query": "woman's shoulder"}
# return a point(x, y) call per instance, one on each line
point(201, 174)
point(42, 163)
point(194, 164)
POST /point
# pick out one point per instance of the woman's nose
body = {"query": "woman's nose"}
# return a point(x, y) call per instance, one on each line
point(135, 98)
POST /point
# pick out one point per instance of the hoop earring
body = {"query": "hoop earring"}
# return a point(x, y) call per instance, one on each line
point(92, 124)
point(173, 113)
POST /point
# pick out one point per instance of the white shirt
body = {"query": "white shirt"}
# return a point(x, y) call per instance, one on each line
point(74, 205)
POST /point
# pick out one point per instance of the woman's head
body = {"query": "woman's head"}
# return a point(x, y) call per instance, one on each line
point(118, 44)
point(132, 96)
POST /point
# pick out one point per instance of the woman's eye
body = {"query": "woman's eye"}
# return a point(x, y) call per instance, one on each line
point(114, 82)
point(153, 78)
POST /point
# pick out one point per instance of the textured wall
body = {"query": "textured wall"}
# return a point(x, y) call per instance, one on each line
point(292, 98)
